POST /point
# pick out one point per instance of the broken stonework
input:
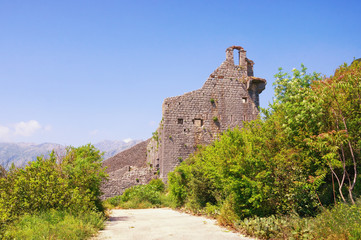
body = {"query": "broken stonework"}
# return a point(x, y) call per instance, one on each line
point(229, 97)
point(126, 169)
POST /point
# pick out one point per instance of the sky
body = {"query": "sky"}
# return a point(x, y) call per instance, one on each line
point(78, 72)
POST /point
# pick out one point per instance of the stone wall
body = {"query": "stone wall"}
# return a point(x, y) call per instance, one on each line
point(229, 97)
point(126, 169)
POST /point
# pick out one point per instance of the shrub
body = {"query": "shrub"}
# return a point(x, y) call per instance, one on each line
point(69, 183)
point(55, 224)
point(340, 222)
point(178, 185)
point(140, 196)
point(276, 227)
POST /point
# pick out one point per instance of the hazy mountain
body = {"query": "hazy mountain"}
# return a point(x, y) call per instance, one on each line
point(21, 153)
point(111, 148)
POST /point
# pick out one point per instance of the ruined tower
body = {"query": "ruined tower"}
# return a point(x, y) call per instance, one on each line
point(228, 97)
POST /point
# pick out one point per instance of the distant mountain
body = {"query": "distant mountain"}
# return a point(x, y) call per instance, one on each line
point(22, 153)
point(111, 148)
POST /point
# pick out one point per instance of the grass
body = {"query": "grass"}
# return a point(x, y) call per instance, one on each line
point(151, 195)
point(54, 224)
point(340, 222)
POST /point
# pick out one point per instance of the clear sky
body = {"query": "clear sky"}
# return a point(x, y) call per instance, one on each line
point(74, 72)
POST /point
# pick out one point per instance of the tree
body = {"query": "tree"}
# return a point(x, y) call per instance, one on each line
point(340, 141)
point(69, 183)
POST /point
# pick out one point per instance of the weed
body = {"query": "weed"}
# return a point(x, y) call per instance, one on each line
point(54, 224)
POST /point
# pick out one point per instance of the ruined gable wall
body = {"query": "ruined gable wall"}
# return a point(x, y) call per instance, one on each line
point(189, 120)
point(126, 169)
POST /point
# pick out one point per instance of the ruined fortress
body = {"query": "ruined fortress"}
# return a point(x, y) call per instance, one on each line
point(229, 97)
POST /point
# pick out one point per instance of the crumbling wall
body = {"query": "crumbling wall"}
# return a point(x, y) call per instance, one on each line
point(126, 169)
point(229, 97)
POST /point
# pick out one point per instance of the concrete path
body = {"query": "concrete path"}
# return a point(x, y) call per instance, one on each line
point(162, 224)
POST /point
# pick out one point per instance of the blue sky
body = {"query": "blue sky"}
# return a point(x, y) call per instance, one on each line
point(74, 72)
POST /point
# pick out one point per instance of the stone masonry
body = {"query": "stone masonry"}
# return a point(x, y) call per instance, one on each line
point(126, 169)
point(229, 96)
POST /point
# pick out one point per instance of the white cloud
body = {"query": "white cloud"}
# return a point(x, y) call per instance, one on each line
point(127, 140)
point(16, 131)
point(4, 133)
point(27, 129)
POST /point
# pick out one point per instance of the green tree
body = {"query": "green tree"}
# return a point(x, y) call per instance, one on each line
point(70, 183)
point(339, 142)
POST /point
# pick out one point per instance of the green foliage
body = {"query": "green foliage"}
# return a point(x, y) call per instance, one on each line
point(212, 100)
point(68, 183)
point(155, 136)
point(276, 227)
point(178, 185)
point(236, 173)
point(2, 171)
point(342, 221)
point(356, 60)
point(55, 224)
point(215, 119)
point(304, 153)
point(339, 143)
point(140, 196)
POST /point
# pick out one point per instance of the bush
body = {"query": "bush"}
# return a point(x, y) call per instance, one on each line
point(178, 184)
point(54, 224)
point(140, 196)
point(343, 221)
point(276, 227)
point(68, 183)
point(340, 222)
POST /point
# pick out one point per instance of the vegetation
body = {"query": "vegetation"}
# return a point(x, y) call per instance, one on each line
point(55, 224)
point(303, 155)
point(340, 222)
point(60, 187)
point(292, 174)
point(140, 196)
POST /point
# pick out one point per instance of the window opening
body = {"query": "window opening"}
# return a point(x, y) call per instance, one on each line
point(198, 122)
point(236, 57)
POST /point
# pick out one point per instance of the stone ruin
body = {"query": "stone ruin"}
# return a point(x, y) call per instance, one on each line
point(229, 97)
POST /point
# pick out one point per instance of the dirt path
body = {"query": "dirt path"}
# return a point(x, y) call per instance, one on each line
point(162, 224)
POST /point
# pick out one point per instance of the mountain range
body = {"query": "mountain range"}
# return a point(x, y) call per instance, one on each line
point(22, 153)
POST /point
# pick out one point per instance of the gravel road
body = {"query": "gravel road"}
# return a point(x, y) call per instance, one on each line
point(162, 224)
